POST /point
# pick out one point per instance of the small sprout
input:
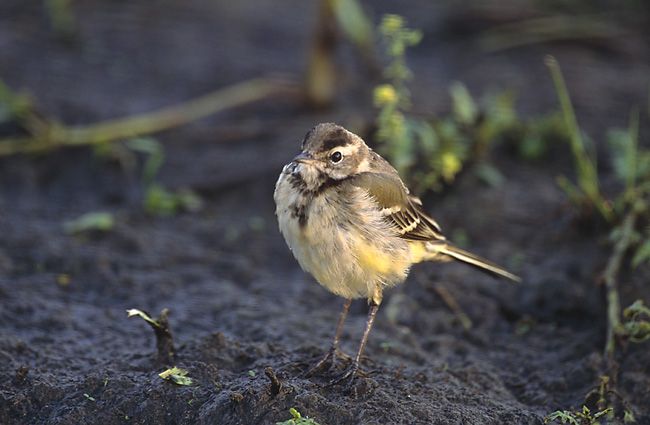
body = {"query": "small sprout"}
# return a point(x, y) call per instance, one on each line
point(99, 221)
point(63, 279)
point(386, 345)
point(144, 316)
point(252, 373)
point(628, 417)
point(177, 376)
point(297, 419)
point(162, 202)
point(257, 223)
point(583, 417)
point(157, 199)
point(164, 339)
point(524, 325)
point(89, 397)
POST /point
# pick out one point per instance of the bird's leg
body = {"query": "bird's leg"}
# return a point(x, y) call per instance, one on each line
point(352, 371)
point(331, 353)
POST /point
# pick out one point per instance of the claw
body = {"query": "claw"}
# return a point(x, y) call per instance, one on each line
point(319, 365)
point(346, 377)
point(330, 356)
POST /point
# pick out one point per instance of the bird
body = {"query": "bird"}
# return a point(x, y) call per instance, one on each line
point(352, 223)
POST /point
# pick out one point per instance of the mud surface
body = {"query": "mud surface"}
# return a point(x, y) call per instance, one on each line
point(239, 302)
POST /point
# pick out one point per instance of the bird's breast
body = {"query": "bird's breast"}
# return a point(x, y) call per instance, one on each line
point(341, 239)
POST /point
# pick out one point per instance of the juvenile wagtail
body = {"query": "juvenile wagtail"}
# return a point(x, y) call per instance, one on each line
point(351, 222)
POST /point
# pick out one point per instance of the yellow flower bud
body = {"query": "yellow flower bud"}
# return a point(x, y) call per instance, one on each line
point(385, 94)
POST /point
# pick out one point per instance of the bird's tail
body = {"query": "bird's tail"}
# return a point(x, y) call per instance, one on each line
point(448, 250)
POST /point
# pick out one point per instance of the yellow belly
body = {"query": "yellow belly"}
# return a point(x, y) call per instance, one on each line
point(378, 262)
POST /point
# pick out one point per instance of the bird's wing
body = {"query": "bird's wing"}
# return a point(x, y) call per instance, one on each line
point(402, 210)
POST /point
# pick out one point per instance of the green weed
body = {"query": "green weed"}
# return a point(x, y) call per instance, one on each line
point(61, 17)
point(636, 322)
point(157, 199)
point(176, 375)
point(297, 419)
point(580, 417)
point(431, 152)
point(100, 221)
point(626, 214)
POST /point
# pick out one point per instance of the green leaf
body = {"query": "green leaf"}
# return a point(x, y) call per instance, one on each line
point(642, 254)
point(464, 108)
point(563, 416)
point(155, 156)
point(353, 21)
point(628, 417)
point(144, 316)
point(532, 147)
point(177, 376)
point(297, 419)
point(489, 174)
point(98, 221)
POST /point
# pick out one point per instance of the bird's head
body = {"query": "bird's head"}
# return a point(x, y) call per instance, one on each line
point(330, 152)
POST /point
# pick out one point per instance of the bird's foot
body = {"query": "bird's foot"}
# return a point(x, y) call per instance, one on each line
point(347, 377)
point(329, 357)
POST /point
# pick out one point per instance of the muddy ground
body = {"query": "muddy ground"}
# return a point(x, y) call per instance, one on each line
point(239, 302)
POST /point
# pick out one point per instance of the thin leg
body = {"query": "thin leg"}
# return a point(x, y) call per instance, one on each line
point(340, 323)
point(331, 353)
point(352, 371)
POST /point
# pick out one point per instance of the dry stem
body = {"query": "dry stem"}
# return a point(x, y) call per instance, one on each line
point(53, 135)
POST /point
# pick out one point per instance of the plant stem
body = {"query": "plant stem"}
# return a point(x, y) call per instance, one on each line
point(585, 163)
point(611, 272)
point(58, 135)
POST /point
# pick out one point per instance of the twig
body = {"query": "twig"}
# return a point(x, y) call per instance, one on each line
point(276, 384)
point(547, 29)
point(609, 276)
point(453, 305)
point(56, 135)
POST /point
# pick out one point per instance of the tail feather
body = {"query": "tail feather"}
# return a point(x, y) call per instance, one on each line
point(476, 261)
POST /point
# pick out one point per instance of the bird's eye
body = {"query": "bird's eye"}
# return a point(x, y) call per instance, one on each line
point(336, 157)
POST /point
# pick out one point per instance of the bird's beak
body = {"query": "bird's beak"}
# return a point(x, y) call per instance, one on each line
point(304, 158)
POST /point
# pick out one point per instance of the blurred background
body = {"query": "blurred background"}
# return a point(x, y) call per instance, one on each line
point(140, 142)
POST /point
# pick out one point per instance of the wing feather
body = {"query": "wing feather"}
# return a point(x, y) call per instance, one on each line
point(401, 209)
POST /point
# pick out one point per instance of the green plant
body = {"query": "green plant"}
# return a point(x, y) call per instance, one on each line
point(587, 192)
point(627, 215)
point(580, 417)
point(603, 398)
point(45, 134)
point(297, 419)
point(176, 375)
point(431, 152)
point(61, 18)
point(157, 199)
point(394, 132)
point(636, 322)
point(162, 330)
point(100, 221)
